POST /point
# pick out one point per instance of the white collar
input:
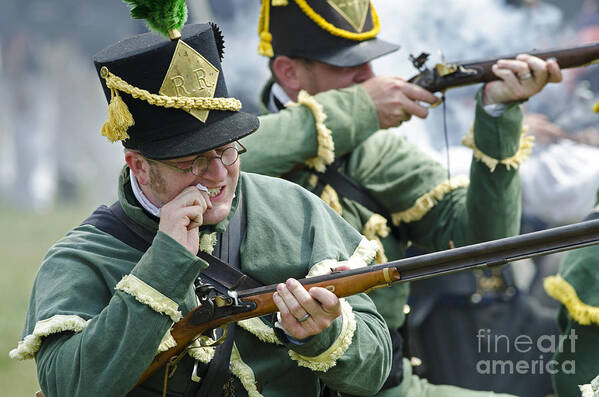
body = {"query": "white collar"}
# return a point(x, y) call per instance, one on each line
point(276, 91)
point(141, 197)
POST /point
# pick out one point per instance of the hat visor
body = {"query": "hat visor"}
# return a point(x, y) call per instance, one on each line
point(216, 134)
point(354, 54)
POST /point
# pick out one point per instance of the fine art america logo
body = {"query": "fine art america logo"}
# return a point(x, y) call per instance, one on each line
point(524, 355)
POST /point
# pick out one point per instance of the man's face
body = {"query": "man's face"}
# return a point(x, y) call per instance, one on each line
point(165, 183)
point(316, 77)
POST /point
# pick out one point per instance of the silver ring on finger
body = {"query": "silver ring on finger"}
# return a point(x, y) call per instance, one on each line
point(525, 76)
point(303, 318)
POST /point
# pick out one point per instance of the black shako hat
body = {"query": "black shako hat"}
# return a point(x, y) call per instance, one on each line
point(174, 91)
point(336, 32)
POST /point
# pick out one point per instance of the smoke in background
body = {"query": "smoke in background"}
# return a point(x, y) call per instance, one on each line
point(50, 146)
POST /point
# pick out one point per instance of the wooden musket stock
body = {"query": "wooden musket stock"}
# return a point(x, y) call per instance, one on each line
point(450, 75)
point(351, 282)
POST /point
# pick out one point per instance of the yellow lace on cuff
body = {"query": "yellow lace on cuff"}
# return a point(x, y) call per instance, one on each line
point(147, 295)
point(328, 359)
point(427, 201)
point(364, 253)
point(244, 373)
point(526, 145)
point(326, 147)
point(562, 291)
point(375, 229)
point(27, 348)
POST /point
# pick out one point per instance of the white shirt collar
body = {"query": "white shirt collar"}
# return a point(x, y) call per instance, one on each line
point(141, 197)
point(276, 91)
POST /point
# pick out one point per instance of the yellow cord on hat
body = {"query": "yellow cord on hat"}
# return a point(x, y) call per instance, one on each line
point(120, 118)
point(596, 107)
point(265, 46)
point(335, 31)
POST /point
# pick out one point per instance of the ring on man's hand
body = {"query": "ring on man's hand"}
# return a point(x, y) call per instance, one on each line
point(303, 318)
point(525, 76)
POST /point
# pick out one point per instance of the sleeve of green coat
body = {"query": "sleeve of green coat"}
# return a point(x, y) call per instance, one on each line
point(289, 137)
point(120, 334)
point(414, 188)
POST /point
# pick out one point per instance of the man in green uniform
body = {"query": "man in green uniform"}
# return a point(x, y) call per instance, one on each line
point(576, 287)
point(384, 186)
point(103, 305)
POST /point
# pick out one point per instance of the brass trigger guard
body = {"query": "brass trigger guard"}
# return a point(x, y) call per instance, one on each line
point(218, 341)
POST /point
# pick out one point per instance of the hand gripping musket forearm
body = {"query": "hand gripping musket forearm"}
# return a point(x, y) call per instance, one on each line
point(218, 311)
point(449, 75)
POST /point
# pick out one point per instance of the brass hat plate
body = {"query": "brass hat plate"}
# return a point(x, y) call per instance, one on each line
point(353, 11)
point(190, 75)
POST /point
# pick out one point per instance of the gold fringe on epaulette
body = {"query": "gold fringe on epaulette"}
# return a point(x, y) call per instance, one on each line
point(526, 145)
point(427, 201)
point(562, 291)
point(207, 241)
point(244, 373)
point(330, 197)
point(120, 118)
point(375, 229)
point(326, 146)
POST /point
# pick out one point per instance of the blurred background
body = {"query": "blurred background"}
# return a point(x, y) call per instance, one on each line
point(55, 167)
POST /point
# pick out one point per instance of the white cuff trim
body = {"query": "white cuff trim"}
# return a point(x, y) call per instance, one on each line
point(328, 359)
point(147, 295)
point(27, 348)
point(364, 253)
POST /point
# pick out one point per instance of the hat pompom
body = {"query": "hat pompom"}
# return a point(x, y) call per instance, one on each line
point(265, 46)
point(119, 120)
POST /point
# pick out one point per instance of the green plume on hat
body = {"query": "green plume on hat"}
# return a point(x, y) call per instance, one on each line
point(162, 16)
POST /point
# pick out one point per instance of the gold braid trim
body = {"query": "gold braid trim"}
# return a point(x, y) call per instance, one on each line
point(326, 146)
point(335, 31)
point(374, 229)
point(328, 359)
point(120, 118)
point(149, 296)
point(526, 145)
point(207, 242)
point(561, 290)
point(27, 348)
point(329, 196)
point(245, 374)
point(427, 201)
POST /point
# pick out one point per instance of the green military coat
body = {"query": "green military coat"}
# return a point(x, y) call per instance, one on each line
point(100, 310)
point(410, 185)
point(577, 288)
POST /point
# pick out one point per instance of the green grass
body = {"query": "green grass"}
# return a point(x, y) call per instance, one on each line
point(24, 239)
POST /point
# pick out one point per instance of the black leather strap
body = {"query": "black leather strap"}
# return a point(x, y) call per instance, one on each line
point(348, 188)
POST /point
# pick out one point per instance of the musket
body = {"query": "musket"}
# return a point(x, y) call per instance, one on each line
point(457, 74)
point(219, 310)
